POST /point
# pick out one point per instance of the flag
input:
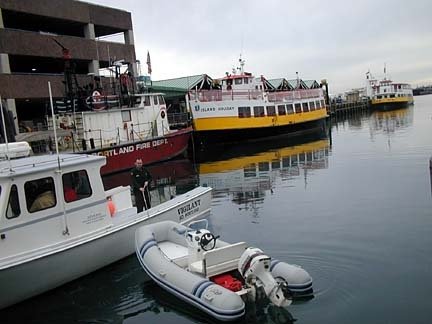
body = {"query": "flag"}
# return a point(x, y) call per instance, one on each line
point(149, 69)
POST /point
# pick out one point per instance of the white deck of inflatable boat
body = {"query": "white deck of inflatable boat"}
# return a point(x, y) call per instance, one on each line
point(172, 250)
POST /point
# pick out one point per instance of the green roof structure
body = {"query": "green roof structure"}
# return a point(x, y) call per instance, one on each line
point(180, 86)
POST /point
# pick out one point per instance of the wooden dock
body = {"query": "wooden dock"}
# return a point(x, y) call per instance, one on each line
point(339, 109)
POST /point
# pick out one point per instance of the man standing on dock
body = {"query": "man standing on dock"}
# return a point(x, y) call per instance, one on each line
point(140, 184)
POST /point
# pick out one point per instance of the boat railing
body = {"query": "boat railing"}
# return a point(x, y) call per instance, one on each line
point(105, 138)
point(92, 103)
point(222, 95)
point(288, 96)
point(278, 96)
point(179, 120)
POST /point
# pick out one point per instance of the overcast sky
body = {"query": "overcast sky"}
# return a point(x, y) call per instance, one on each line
point(337, 40)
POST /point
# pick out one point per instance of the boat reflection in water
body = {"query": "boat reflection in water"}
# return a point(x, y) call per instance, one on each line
point(170, 178)
point(388, 122)
point(248, 178)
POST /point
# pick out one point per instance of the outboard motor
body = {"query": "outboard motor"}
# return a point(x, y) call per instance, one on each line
point(254, 266)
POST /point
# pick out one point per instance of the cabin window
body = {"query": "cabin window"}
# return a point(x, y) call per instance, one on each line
point(290, 108)
point(312, 105)
point(126, 116)
point(161, 100)
point(271, 111)
point(258, 111)
point(244, 112)
point(40, 194)
point(285, 162)
point(281, 110)
point(322, 103)
point(245, 80)
point(13, 208)
point(317, 104)
point(238, 81)
point(137, 101)
point(155, 100)
point(305, 107)
point(263, 166)
point(275, 164)
point(146, 101)
point(392, 95)
point(249, 171)
point(298, 108)
point(76, 186)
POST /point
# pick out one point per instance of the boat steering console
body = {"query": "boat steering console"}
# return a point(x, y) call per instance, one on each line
point(206, 240)
point(201, 238)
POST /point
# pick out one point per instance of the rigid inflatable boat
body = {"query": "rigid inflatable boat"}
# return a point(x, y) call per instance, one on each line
point(215, 276)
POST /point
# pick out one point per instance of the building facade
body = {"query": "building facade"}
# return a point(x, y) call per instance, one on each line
point(33, 37)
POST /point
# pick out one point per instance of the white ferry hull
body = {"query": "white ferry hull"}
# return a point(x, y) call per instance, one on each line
point(55, 268)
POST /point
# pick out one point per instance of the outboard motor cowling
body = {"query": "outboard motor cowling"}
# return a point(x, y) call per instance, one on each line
point(254, 266)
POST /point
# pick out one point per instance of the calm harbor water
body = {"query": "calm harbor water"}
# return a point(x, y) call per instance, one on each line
point(354, 209)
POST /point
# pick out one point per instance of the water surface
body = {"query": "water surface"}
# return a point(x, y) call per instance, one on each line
point(354, 209)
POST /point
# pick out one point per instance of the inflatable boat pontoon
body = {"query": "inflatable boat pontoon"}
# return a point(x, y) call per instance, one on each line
point(215, 276)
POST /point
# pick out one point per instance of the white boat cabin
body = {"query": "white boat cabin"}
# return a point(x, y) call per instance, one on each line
point(241, 82)
point(42, 206)
point(146, 118)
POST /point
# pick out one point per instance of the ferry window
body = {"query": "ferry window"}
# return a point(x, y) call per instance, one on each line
point(322, 103)
point(13, 208)
point(263, 166)
point(258, 111)
point(285, 162)
point(40, 194)
point(76, 186)
point(245, 81)
point(155, 100)
point(126, 115)
point(312, 105)
point(238, 81)
point(250, 171)
point(317, 104)
point(271, 111)
point(161, 100)
point(244, 112)
point(290, 108)
point(392, 96)
point(281, 110)
point(275, 164)
point(298, 108)
point(146, 101)
point(305, 107)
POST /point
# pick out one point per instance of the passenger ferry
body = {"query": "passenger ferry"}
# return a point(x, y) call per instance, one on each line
point(386, 94)
point(244, 107)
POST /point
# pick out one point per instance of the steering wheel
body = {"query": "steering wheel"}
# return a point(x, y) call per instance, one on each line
point(206, 239)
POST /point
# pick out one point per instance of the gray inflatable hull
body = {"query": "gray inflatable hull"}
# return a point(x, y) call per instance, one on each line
point(213, 299)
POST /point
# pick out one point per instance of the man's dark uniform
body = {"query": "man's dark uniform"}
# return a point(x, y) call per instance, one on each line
point(139, 177)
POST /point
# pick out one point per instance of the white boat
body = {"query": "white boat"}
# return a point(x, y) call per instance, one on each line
point(49, 236)
point(120, 133)
point(213, 275)
point(386, 94)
